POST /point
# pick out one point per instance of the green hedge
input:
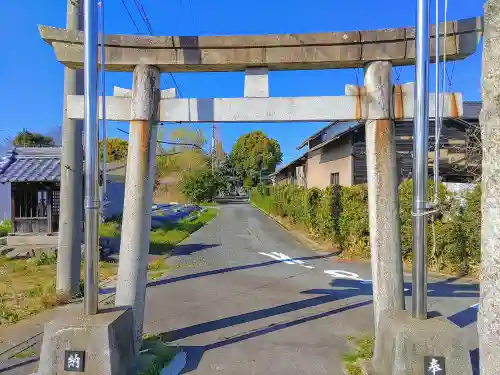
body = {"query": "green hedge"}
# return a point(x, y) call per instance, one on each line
point(340, 214)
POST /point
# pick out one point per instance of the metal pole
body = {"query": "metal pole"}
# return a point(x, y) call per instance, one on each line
point(139, 183)
point(212, 153)
point(91, 158)
point(69, 255)
point(103, 98)
point(420, 162)
point(437, 118)
point(489, 310)
point(383, 207)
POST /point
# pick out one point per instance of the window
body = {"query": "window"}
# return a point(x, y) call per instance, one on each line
point(335, 179)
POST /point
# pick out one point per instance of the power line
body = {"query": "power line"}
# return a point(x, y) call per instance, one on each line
point(144, 16)
point(130, 16)
point(169, 143)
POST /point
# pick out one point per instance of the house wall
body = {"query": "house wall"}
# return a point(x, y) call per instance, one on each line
point(5, 202)
point(453, 145)
point(333, 158)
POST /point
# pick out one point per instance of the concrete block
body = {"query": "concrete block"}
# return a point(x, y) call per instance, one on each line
point(32, 240)
point(107, 339)
point(402, 342)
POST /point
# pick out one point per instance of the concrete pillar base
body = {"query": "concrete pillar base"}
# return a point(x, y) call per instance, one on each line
point(402, 343)
point(106, 338)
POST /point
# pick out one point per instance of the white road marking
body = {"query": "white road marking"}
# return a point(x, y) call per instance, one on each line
point(284, 256)
point(278, 258)
point(310, 267)
point(343, 274)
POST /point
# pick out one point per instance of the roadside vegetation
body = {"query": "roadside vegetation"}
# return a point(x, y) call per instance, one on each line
point(340, 215)
point(27, 286)
point(363, 351)
point(161, 354)
point(5, 228)
point(164, 239)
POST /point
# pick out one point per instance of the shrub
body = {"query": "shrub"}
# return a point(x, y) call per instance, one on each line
point(353, 227)
point(324, 217)
point(5, 228)
point(471, 218)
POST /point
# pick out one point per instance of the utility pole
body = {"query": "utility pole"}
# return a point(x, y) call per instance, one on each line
point(70, 217)
point(489, 309)
point(139, 183)
point(420, 163)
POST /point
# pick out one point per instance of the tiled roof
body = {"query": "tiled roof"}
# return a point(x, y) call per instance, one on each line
point(31, 165)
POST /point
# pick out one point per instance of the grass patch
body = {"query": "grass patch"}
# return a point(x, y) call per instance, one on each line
point(27, 286)
point(164, 239)
point(157, 265)
point(25, 354)
point(110, 228)
point(363, 349)
point(162, 354)
point(5, 228)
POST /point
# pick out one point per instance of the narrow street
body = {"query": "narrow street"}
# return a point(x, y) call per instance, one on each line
point(244, 297)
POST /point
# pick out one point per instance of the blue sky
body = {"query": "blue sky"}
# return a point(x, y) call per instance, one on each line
point(31, 80)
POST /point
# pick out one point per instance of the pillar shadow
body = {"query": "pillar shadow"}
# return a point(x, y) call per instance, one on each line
point(195, 353)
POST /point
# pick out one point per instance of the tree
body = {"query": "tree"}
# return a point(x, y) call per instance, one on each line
point(201, 185)
point(254, 152)
point(29, 139)
point(116, 149)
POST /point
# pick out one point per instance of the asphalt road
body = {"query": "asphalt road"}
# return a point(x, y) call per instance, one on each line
point(244, 297)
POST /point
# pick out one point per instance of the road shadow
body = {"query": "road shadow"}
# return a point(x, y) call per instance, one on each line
point(189, 249)
point(195, 353)
point(340, 289)
point(232, 200)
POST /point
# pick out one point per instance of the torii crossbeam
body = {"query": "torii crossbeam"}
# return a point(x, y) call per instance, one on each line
point(351, 107)
point(333, 50)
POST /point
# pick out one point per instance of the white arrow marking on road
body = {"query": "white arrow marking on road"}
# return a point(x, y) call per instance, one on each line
point(343, 274)
point(284, 256)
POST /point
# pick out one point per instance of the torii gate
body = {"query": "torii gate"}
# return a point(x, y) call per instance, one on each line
point(379, 103)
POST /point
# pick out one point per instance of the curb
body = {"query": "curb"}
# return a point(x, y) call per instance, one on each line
point(300, 238)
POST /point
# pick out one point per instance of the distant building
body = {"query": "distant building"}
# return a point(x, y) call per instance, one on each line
point(31, 177)
point(336, 154)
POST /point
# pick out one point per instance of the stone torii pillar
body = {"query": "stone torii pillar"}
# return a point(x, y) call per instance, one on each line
point(138, 201)
point(488, 323)
point(383, 205)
